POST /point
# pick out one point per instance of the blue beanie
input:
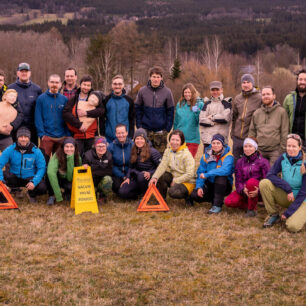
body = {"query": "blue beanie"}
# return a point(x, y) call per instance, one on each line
point(218, 137)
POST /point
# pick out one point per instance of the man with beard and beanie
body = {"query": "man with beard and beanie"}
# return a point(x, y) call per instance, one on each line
point(269, 126)
point(244, 105)
point(119, 108)
point(27, 165)
point(51, 128)
point(28, 92)
point(154, 108)
point(295, 105)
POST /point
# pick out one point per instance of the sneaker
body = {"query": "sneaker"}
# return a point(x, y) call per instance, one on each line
point(271, 220)
point(250, 214)
point(214, 210)
point(51, 200)
point(32, 200)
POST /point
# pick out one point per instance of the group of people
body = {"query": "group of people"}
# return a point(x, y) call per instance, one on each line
point(68, 120)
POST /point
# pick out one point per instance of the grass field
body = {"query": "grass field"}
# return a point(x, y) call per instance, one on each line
point(49, 256)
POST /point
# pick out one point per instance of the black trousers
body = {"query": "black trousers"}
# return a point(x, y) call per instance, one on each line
point(178, 191)
point(14, 181)
point(84, 145)
point(237, 148)
point(116, 183)
point(63, 183)
point(214, 192)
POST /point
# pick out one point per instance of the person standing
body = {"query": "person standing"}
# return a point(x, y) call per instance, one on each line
point(69, 86)
point(28, 92)
point(49, 122)
point(187, 117)
point(295, 105)
point(244, 105)
point(119, 108)
point(270, 126)
point(216, 115)
point(154, 108)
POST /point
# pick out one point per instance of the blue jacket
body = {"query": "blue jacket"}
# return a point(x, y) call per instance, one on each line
point(292, 180)
point(187, 120)
point(24, 165)
point(49, 115)
point(211, 169)
point(27, 96)
point(154, 108)
point(121, 156)
point(119, 109)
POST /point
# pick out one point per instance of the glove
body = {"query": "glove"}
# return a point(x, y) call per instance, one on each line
point(195, 109)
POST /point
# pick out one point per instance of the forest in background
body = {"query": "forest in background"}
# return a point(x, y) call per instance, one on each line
point(195, 41)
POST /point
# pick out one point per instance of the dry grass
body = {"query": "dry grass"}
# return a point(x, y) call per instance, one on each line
point(121, 257)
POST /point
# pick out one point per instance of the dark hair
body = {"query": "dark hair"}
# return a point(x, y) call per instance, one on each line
point(270, 87)
point(299, 72)
point(121, 125)
point(86, 78)
point(144, 153)
point(179, 133)
point(156, 70)
point(2, 73)
point(194, 94)
point(62, 160)
point(71, 68)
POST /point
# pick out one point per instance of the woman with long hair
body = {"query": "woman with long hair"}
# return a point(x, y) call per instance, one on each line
point(187, 117)
point(143, 163)
point(60, 170)
point(249, 170)
point(175, 173)
point(288, 191)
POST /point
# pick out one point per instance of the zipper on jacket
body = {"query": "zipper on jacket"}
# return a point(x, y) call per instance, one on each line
point(21, 163)
point(123, 157)
point(243, 115)
point(154, 98)
point(293, 172)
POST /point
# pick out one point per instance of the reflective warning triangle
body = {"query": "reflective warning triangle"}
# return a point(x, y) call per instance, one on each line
point(6, 200)
point(144, 206)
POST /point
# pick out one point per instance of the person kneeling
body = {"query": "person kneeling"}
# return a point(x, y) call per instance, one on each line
point(101, 163)
point(60, 170)
point(214, 175)
point(27, 165)
point(249, 170)
point(176, 170)
point(288, 191)
point(143, 163)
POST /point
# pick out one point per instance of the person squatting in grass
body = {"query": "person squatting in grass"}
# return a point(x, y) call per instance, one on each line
point(175, 173)
point(120, 149)
point(249, 170)
point(214, 175)
point(288, 191)
point(27, 165)
point(60, 170)
point(143, 163)
point(101, 163)
point(187, 117)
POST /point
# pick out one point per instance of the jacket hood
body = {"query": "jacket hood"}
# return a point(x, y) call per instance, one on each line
point(28, 149)
point(270, 109)
point(251, 158)
point(249, 93)
point(181, 148)
point(161, 85)
point(51, 94)
point(118, 97)
point(23, 85)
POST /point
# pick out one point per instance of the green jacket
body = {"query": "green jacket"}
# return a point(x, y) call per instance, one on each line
point(180, 164)
point(269, 125)
point(53, 169)
point(289, 105)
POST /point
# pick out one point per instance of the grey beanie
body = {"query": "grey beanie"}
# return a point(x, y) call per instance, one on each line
point(248, 78)
point(141, 132)
point(23, 131)
point(69, 140)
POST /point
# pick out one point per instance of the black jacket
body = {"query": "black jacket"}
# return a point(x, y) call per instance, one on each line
point(74, 121)
point(100, 167)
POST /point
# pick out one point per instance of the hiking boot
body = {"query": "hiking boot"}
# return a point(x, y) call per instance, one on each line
point(51, 200)
point(214, 210)
point(32, 200)
point(250, 214)
point(271, 220)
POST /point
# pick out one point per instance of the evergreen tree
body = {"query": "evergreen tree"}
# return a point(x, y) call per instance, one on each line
point(176, 69)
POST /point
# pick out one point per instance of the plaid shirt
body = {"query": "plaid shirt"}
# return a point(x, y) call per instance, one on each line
point(69, 93)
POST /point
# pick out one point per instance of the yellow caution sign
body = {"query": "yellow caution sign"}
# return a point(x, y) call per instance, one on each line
point(83, 196)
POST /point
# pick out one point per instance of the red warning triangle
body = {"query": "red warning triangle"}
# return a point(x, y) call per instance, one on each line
point(6, 200)
point(144, 206)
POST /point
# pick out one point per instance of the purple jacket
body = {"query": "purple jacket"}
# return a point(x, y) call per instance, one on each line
point(254, 166)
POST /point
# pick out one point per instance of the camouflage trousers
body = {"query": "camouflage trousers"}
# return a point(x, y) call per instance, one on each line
point(104, 185)
point(158, 140)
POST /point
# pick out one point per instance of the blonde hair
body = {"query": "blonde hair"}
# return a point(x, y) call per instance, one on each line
point(9, 91)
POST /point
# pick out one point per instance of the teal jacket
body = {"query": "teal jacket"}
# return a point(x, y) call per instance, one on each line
point(289, 105)
point(187, 120)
